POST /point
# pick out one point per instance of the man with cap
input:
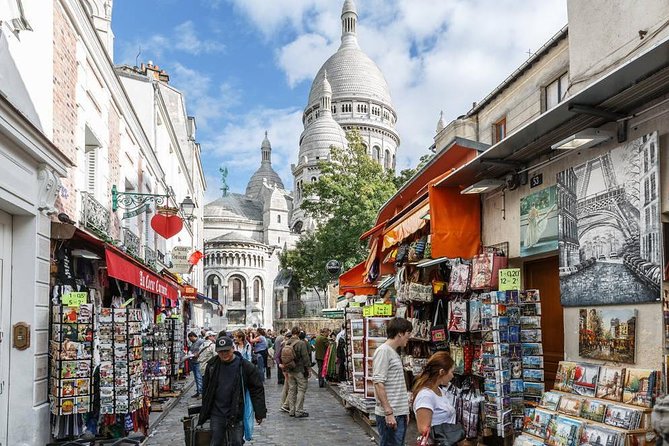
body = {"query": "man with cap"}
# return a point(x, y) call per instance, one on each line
point(208, 350)
point(226, 378)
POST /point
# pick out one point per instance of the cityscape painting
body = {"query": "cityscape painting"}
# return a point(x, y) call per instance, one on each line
point(609, 227)
point(607, 334)
point(539, 222)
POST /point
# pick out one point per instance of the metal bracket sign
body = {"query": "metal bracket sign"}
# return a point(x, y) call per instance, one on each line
point(135, 212)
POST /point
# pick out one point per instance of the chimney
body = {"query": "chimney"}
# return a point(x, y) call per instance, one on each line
point(149, 69)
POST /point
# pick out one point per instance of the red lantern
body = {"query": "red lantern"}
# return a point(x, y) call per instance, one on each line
point(166, 223)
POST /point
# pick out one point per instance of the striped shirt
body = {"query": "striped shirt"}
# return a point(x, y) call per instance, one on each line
point(387, 369)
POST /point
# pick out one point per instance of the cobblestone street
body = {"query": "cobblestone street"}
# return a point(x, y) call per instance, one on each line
point(328, 422)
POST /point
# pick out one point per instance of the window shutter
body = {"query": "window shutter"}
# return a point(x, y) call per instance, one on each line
point(91, 168)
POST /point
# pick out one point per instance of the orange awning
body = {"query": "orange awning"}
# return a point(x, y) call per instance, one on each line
point(406, 226)
point(455, 222)
point(373, 230)
point(353, 280)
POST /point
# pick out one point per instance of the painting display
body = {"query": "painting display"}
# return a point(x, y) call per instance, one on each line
point(608, 334)
point(639, 387)
point(610, 383)
point(609, 231)
point(539, 222)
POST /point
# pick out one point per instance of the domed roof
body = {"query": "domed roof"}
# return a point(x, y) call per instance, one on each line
point(351, 73)
point(264, 172)
point(234, 237)
point(321, 134)
point(235, 206)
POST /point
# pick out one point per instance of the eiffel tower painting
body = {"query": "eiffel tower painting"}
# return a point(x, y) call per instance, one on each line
point(609, 226)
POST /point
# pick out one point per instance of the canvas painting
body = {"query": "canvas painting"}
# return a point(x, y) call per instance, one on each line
point(539, 222)
point(585, 379)
point(607, 334)
point(639, 385)
point(610, 383)
point(610, 230)
point(593, 410)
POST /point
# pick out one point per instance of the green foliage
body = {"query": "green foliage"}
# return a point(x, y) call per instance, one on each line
point(406, 174)
point(351, 190)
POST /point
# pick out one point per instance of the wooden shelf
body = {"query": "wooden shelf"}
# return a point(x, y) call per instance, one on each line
point(605, 401)
point(596, 423)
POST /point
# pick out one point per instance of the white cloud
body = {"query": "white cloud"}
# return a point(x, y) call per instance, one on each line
point(434, 54)
point(187, 40)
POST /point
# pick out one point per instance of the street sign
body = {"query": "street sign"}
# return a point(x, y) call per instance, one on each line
point(180, 259)
point(509, 279)
point(135, 212)
point(333, 267)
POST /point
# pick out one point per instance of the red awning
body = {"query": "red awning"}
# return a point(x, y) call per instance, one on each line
point(353, 280)
point(122, 267)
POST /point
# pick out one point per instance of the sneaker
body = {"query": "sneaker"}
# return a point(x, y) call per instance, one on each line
point(302, 415)
point(285, 409)
point(292, 414)
point(197, 395)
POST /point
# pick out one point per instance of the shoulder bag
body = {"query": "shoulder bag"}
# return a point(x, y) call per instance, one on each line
point(447, 434)
point(249, 415)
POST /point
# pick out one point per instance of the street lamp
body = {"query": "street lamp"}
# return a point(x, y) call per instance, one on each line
point(187, 207)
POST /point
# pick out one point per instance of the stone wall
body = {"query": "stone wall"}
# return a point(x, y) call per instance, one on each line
point(309, 325)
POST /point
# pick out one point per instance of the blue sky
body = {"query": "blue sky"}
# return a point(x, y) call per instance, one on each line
point(246, 66)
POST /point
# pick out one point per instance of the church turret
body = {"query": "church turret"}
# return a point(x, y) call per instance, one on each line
point(440, 123)
point(326, 99)
point(349, 23)
point(266, 150)
point(265, 175)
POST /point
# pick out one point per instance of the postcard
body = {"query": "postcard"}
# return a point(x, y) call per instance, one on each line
point(529, 296)
point(513, 313)
point(516, 369)
point(515, 352)
point(105, 315)
point(532, 335)
point(376, 327)
point(533, 375)
point(593, 410)
point(530, 309)
point(571, 405)
point(514, 333)
point(550, 400)
point(533, 389)
point(610, 383)
point(529, 322)
point(120, 315)
point(533, 362)
point(516, 386)
point(517, 406)
point(532, 349)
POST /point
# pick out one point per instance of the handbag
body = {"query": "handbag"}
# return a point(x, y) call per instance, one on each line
point(457, 316)
point(420, 293)
point(459, 280)
point(447, 434)
point(249, 415)
point(458, 355)
point(438, 328)
point(475, 314)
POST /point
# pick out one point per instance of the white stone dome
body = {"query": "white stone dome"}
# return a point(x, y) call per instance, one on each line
point(320, 135)
point(351, 74)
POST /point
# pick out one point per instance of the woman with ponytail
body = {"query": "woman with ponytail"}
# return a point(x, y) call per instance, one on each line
point(435, 414)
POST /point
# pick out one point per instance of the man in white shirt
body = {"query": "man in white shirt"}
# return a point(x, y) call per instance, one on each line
point(392, 402)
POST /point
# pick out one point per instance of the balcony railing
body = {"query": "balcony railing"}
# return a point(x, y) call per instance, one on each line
point(150, 257)
point(94, 215)
point(131, 242)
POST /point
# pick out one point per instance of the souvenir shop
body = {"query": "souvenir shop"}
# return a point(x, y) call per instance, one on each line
point(552, 314)
point(116, 339)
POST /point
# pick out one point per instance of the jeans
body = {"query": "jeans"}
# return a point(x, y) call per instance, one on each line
point(390, 437)
point(197, 375)
point(260, 365)
point(321, 380)
point(297, 387)
point(224, 435)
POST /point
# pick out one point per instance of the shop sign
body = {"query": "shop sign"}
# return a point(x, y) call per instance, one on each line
point(368, 311)
point(509, 279)
point(383, 309)
point(189, 293)
point(180, 259)
point(74, 299)
point(125, 270)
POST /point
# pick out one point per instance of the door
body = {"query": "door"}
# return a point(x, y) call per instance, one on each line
point(5, 307)
point(544, 275)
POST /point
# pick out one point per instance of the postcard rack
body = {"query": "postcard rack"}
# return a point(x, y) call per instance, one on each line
point(121, 383)
point(156, 356)
point(71, 359)
point(175, 344)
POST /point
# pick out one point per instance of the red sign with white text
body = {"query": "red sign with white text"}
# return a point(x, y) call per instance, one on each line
point(125, 270)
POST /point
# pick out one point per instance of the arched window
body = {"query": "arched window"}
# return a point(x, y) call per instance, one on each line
point(257, 289)
point(314, 179)
point(377, 153)
point(278, 218)
point(213, 283)
point(238, 287)
point(386, 159)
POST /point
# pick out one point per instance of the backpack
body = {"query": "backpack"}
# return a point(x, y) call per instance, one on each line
point(287, 356)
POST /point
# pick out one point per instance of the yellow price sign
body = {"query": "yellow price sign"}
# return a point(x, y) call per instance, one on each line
point(74, 299)
point(509, 279)
point(383, 309)
point(368, 311)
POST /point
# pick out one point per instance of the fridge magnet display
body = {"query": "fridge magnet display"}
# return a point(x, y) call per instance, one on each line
point(639, 386)
point(610, 383)
point(584, 379)
point(593, 410)
point(539, 222)
point(571, 405)
point(607, 334)
point(595, 250)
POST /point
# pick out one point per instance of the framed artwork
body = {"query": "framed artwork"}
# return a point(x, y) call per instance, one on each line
point(608, 334)
point(539, 222)
point(609, 208)
point(639, 387)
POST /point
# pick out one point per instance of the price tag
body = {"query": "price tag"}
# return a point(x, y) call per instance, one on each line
point(509, 279)
point(74, 299)
point(383, 309)
point(368, 311)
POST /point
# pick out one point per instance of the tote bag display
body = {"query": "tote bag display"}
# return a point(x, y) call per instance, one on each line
point(475, 314)
point(438, 327)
